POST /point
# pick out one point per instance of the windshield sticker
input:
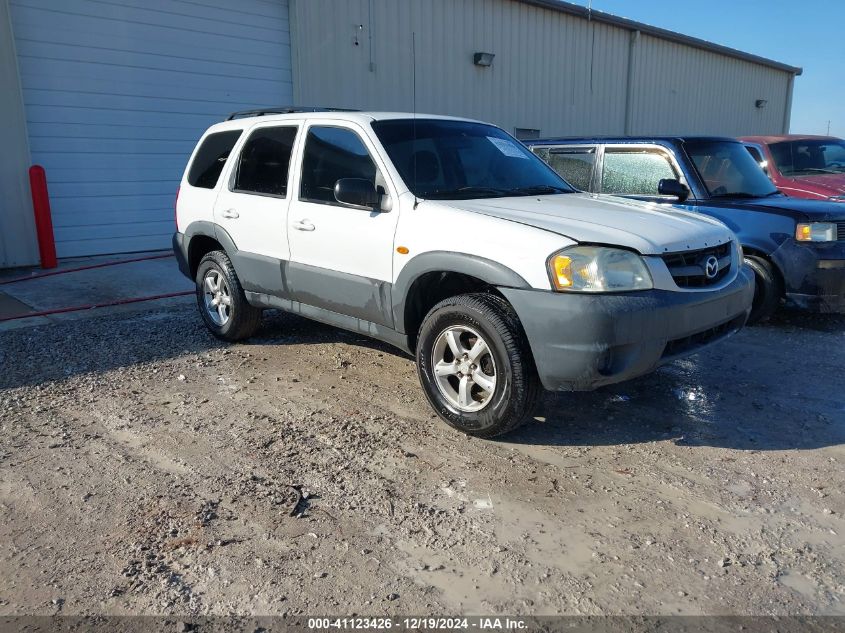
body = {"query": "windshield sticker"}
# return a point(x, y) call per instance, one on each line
point(508, 148)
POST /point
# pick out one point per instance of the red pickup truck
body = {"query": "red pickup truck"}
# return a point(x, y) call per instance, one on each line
point(802, 166)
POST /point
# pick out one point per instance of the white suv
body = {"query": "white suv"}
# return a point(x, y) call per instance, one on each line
point(448, 239)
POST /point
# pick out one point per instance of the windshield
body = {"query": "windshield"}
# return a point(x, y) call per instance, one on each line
point(728, 170)
point(809, 157)
point(443, 159)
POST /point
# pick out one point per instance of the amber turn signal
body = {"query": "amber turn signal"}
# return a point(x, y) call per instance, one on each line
point(562, 271)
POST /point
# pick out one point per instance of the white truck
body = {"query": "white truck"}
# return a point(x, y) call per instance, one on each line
point(448, 239)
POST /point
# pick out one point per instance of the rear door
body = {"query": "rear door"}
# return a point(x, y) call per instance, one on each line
point(252, 205)
point(341, 256)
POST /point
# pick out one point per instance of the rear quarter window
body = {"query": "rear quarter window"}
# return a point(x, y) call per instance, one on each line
point(210, 159)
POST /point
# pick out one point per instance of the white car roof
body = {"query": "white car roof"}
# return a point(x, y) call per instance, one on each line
point(357, 117)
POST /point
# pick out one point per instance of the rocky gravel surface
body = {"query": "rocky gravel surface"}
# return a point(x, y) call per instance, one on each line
point(147, 468)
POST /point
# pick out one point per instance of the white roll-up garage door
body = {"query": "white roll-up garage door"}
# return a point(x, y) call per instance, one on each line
point(117, 93)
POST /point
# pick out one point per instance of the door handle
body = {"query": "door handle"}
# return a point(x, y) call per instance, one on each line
point(303, 225)
point(230, 214)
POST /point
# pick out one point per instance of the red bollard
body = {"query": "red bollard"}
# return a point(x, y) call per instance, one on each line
point(43, 218)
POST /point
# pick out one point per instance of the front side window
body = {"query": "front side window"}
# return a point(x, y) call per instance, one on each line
point(264, 161)
point(728, 170)
point(211, 158)
point(459, 160)
point(809, 157)
point(635, 172)
point(332, 153)
point(575, 165)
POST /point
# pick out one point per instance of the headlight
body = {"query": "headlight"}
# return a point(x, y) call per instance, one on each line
point(816, 232)
point(598, 269)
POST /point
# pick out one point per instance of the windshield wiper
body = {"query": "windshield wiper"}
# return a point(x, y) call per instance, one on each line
point(817, 170)
point(535, 190)
point(465, 192)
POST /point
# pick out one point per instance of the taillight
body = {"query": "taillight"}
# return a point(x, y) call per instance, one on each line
point(176, 207)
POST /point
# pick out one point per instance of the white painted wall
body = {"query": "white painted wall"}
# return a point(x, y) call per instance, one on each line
point(117, 93)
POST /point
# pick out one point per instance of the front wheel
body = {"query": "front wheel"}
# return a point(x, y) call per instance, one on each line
point(768, 289)
point(475, 365)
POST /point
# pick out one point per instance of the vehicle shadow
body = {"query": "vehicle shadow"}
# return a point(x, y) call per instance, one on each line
point(792, 319)
point(777, 386)
point(58, 351)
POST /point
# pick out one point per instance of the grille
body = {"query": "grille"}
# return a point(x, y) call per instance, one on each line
point(689, 343)
point(688, 268)
point(840, 230)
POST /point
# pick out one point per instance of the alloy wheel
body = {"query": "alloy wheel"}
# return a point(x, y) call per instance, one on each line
point(217, 297)
point(464, 368)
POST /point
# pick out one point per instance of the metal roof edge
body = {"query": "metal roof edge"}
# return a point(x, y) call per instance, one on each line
point(673, 36)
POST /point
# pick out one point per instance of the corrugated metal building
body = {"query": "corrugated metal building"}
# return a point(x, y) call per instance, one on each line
point(558, 68)
point(110, 96)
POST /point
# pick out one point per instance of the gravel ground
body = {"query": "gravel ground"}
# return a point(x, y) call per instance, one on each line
point(147, 468)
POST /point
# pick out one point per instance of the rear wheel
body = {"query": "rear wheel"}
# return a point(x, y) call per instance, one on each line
point(475, 365)
point(221, 300)
point(768, 289)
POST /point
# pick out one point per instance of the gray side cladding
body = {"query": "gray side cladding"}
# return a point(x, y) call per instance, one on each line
point(372, 300)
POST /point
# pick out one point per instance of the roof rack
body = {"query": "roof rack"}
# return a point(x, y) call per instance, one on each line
point(283, 110)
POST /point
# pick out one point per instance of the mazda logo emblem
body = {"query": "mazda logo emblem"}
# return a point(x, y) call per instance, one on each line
point(711, 267)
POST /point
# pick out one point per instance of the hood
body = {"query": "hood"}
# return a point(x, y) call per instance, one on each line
point(645, 227)
point(826, 184)
point(797, 208)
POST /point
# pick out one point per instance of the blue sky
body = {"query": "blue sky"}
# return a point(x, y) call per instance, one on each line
point(809, 34)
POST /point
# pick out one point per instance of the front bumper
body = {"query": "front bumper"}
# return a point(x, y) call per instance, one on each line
point(813, 274)
point(582, 341)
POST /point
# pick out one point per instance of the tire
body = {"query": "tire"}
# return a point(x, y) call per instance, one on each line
point(508, 361)
point(241, 319)
point(768, 289)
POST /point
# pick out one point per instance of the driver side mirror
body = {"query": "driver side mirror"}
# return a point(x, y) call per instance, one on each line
point(673, 187)
point(357, 192)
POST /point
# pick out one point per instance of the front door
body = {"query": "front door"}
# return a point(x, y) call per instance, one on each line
point(635, 171)
point(341, 257)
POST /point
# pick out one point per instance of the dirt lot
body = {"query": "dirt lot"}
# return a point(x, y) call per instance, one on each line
point(147, 468)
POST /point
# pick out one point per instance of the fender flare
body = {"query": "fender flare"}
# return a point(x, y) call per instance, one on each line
point(487, 270)
point(215, 232)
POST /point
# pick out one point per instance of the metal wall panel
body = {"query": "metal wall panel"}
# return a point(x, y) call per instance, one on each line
point(541, 76)
point(553, 71)
point(117, 93)
point(683, 90)
point(18, 246)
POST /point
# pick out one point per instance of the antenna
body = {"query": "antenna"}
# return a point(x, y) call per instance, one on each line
point(414, 99)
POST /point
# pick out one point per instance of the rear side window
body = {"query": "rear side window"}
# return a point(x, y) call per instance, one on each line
point(264, 161)
point(758, 157)
point(332, 153)
point(211, 158)
point(755, 153)
point(574, 165)
point(634, 173)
